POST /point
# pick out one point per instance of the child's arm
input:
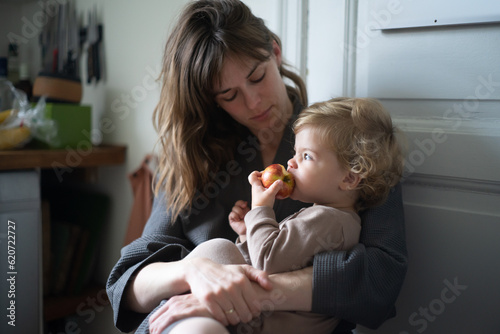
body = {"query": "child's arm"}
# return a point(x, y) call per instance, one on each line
point(236, 218)
point(292, 244)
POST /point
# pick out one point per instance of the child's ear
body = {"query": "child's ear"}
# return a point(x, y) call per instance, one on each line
point(350, 181)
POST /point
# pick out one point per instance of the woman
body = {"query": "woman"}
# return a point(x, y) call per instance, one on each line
point(224, 112)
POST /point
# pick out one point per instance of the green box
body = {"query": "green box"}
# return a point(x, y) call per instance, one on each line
point(73, 124)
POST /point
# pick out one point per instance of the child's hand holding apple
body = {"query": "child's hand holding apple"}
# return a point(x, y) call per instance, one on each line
point(274, 182)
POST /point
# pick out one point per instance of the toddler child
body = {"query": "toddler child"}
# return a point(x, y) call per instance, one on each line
point(346, 160)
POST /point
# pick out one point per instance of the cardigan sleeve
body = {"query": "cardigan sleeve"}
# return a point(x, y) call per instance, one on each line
point(160, 241)
point(361, 285)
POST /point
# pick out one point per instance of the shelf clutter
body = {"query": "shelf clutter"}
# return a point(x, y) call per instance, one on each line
point(49, 111)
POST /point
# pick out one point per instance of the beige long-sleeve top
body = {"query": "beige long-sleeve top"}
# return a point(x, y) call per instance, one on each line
point(292, 244)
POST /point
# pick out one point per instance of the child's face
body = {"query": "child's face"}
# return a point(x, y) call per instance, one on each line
point(317, 171)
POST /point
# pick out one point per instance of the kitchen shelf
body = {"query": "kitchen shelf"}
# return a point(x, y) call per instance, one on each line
point(66, 158)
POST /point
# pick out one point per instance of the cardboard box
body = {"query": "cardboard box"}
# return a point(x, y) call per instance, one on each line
point(73, 122)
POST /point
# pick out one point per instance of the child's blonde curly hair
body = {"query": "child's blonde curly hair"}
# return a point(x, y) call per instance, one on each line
point(361, 133)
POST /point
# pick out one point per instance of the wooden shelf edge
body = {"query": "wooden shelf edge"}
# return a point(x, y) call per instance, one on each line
point(66, 158)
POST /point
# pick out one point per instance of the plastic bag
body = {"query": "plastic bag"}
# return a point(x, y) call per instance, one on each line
point(20, 121)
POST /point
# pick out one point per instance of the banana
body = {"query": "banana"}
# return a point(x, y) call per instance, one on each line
point(4, 115)
point(12, 138)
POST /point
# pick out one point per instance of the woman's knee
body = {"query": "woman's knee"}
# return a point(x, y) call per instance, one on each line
point(199, 325)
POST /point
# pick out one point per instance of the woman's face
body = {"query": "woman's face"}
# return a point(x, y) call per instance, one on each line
point(254, 93)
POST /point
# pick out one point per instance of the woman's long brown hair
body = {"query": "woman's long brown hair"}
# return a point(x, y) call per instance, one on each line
point(196, 136)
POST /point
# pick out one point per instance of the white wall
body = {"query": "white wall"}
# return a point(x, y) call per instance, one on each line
point(325, 52)
point(442, 87)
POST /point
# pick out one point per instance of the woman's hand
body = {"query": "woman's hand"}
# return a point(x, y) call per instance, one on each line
point(175, 309)
point(291, 291)
point(226, 290)
point(237, 217)
point(262, 196)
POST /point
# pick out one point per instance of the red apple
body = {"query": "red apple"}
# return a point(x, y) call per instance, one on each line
point(277, 172)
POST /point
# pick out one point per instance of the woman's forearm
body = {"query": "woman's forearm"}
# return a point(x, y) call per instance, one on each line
point(292, 291)
point(155, 282)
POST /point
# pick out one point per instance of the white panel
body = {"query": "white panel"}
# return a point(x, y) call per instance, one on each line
point(430, 13)
point(462, 114)
point(442, 87)
point(450, 138)
point(451, 239)
point(451, 63)
point(435, 151)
